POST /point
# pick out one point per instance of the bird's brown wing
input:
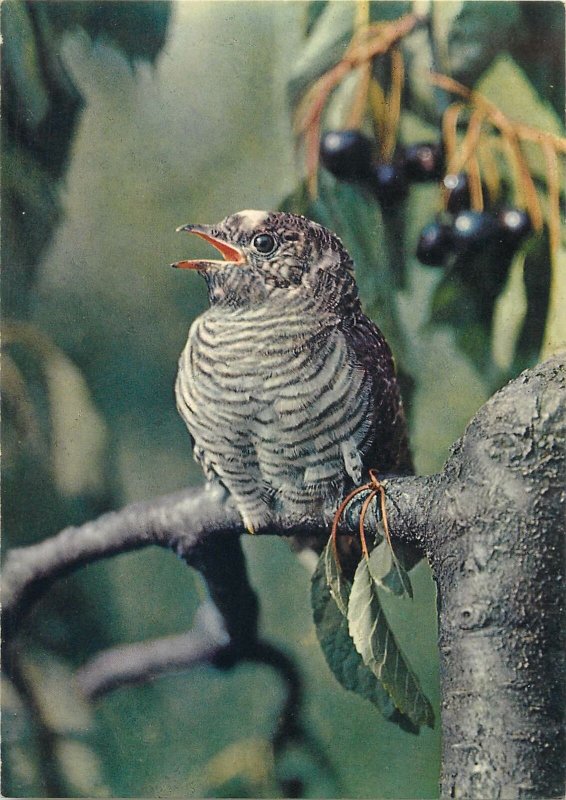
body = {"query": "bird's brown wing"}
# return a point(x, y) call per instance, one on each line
point(389, 451)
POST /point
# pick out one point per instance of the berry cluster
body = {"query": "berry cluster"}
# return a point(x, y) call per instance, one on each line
point(462, 231)
point(349, 156)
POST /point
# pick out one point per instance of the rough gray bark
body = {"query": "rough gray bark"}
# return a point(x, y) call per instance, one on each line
point(491, 524)
point(495, 540)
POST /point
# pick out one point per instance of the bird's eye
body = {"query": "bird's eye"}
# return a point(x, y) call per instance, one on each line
point(264, 243)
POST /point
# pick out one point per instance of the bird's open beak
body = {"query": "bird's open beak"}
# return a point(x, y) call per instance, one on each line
point(230, 253)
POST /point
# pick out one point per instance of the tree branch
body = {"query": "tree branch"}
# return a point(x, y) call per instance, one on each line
point(181, 522)
point(207, 643)
point(192, 523)
point(138, 663)
point(491, 524)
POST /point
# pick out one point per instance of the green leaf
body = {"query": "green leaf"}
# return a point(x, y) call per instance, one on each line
point(380, 652)
point(339, 585)
point(533, 33)
point(542, 55)
point(324, 47)
point(537, 278)
point(340, 652)
point(388, 572)
point(28, 96)
point(330, 29)
point(465, 299)
point(456, 305)
point(395, 233)
point(137, 28)
point(384, 12)
point(314, 10)
point(478, 34)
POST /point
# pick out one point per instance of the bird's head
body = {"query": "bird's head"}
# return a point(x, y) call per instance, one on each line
point(269, 253)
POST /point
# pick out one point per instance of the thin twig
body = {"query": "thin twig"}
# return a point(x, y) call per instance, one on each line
point(489, 166)
point(450, 135)
point(376, 99)
point(469, 159)
point(365, 45)
point(394, 104)
point(513, 132)
point(51, 775)
point(366, 504)
point(474, 177)
point(553, 183)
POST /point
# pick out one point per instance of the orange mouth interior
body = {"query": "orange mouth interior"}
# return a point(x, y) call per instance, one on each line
point(228, 252)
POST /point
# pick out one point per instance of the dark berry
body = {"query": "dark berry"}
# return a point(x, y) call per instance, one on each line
point(435, 244)
point(472, 230)
point(459, 198)
point(424, 162)
point(346, 154)
point(389, 183)
point(514, 225)
point(458, 189)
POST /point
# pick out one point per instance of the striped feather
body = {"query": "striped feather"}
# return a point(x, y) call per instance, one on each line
point(272, 400)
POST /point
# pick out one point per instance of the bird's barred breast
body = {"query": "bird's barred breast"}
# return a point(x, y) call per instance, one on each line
point(272, 397)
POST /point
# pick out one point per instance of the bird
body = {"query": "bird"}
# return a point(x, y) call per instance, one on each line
point(287, 388)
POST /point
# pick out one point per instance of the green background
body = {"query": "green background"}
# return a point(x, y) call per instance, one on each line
point(202, 133)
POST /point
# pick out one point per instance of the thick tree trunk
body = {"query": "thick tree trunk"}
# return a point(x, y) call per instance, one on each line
point(492, 526)
point(496, 544)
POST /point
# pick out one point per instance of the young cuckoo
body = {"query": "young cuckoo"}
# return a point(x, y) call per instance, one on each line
point(287, 388)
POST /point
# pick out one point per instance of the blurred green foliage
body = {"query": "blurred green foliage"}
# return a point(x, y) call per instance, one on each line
point(100, 163)
point(40, 111)
point(532, 34)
